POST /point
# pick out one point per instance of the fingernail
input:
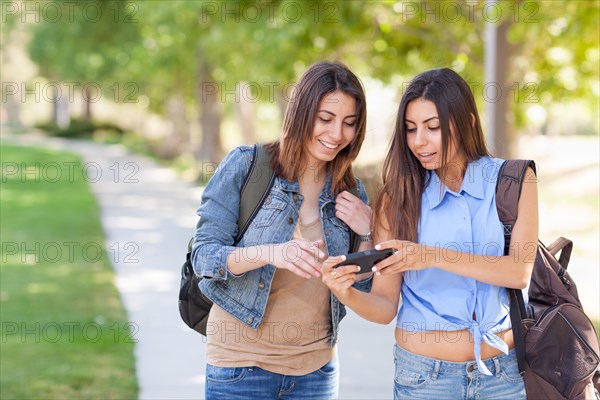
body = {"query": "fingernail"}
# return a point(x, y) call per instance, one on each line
point(374, 269)
point(358, 268)
point(377, 247)
point(377, 273)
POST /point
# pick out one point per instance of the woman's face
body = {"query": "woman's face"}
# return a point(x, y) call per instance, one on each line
point(424, 136)
point(334, 127)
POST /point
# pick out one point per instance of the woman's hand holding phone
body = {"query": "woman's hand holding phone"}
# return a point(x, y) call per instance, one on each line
point(339, 273)
point(338, 279)
point(367, 259)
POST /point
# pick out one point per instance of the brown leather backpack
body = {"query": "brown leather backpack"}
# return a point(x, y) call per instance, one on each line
point(556, 343)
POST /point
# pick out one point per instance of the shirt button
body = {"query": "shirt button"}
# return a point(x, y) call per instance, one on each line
point(250, 320)
point(268, 200)
point(295, 197)
point(290, 221)
point(222, 272)
point(261, 285)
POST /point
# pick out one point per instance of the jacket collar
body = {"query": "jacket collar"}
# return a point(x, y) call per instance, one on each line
point(294, 187)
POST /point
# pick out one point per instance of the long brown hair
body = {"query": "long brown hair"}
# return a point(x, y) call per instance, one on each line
point(404, 178)
point(288, 154)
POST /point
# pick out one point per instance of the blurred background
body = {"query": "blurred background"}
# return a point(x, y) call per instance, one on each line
point(183, 82)
point(194, 78)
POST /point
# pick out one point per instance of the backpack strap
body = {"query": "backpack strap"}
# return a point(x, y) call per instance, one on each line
point(508, 191)
point(565, 247)
point(255, 189)
point(354, 242)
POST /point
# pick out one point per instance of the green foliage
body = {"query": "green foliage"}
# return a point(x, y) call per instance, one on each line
point(160, 44)
point(64, 329)
point(558, 49)
point(180, 48)
point(81, 128)
point(90, 42)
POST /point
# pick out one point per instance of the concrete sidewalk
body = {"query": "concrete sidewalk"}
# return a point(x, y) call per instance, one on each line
point(148, 214)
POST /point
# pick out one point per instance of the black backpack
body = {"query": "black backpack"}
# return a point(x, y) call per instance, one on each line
point(556, 343)
point(194, 306)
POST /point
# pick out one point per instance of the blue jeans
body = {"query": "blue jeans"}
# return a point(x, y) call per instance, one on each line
point(256, 383)
point(419, 377)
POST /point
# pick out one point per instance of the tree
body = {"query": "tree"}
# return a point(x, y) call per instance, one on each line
point(84, 46)
point(204, 60)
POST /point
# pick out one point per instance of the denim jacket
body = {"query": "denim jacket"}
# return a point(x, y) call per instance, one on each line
point(245, 296)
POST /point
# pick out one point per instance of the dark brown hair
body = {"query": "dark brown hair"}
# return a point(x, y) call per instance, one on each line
point(288, 153)
point(404, 178)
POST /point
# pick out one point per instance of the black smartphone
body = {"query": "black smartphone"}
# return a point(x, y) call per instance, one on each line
point(366, 259)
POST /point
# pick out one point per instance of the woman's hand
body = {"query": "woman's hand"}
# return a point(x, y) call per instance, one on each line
point(407, 256)
point(339, 279)
point(353, 212)
point(300, 257)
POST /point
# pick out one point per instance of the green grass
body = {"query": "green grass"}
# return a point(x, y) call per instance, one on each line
point(64, 332)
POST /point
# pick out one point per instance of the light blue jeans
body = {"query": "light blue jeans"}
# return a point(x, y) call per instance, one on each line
point(419, 377)
point(256, 383)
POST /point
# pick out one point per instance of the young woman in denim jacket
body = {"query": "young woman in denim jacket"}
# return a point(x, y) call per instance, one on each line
point(437, 210)
point(272, 331)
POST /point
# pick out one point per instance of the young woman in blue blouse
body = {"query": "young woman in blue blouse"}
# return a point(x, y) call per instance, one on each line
point(437, 210)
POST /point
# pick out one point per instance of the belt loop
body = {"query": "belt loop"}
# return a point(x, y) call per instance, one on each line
point(497, 366)
point(436, 369)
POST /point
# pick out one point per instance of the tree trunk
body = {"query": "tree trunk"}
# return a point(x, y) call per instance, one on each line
point(178, 137)
point(13, 113)
point(208, 94)
point(245, 111)
point(87, 104)
point(60, 112)
point(496, 90)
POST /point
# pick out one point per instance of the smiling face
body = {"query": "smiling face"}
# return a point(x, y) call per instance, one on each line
point(334, 128)
point(424, 138)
